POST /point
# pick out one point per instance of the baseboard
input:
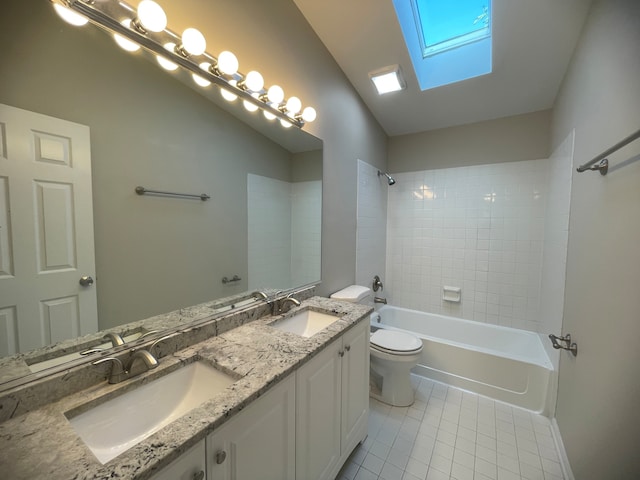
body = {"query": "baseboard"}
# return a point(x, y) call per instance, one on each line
point(564, 459)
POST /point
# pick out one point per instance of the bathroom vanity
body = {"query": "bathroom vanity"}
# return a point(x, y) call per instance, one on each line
point(294, 405)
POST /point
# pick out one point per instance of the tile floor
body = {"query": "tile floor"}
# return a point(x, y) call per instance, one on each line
point(451, 434)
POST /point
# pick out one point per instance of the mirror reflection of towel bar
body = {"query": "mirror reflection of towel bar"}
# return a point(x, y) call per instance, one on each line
point(144, 191)
point(235, 278)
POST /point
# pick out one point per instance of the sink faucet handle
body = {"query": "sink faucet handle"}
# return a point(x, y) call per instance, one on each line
point(149, 360)
point(377, 284)
point(117, 368)
point(260, 295)
point(115, 339)
point(162, 339)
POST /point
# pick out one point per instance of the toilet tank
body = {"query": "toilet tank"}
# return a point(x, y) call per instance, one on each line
point(354, 294)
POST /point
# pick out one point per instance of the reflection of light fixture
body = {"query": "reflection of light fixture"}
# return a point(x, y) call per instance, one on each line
point(198, 79)
point(388, 79)
point(122, 42)
point(130, 28)
point(424, 192)
point(227, 94)
point(70, 16)
point(163, 61)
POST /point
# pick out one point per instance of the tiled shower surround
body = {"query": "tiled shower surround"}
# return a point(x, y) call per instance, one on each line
point(284, 223)
point(479, 228)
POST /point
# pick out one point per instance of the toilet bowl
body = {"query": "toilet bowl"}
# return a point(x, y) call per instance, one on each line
point(393, 354)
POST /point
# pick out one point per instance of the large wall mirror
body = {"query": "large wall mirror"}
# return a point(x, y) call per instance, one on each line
point(153, 254)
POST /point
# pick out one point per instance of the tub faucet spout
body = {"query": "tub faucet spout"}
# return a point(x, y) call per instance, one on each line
point(379, 300)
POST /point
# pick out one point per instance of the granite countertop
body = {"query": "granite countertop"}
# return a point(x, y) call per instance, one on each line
point(42, 443)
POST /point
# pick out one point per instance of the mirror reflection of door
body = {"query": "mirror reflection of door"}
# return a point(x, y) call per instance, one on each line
point(46, 231)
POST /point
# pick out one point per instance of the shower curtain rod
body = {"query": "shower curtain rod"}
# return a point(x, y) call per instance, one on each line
point(603, 164)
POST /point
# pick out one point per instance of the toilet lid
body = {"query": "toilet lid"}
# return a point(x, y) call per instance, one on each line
point(394, 341)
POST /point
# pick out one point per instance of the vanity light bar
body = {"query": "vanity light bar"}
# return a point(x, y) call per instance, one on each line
point(154, 42)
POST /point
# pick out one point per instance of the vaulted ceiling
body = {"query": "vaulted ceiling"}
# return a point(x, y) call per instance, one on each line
point(533, 41)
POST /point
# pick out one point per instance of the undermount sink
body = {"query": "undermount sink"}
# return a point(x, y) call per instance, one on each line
point(306, 323)
point(118, 424)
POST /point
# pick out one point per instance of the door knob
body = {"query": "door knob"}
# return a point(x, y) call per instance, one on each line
point(86, 281)
point(221, 456)
point(199, 475)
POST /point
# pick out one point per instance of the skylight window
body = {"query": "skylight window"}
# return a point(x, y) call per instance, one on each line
point(448, 40)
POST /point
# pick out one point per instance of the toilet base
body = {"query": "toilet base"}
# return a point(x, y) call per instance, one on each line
point(395, 390)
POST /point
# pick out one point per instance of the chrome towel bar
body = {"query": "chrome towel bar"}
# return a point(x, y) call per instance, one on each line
point(143, 191)
point(600, 162)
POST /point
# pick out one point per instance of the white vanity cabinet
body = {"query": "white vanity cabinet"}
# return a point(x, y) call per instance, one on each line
point(191, 465)
point(332, 404)
point(304, 428)
point(259, 443)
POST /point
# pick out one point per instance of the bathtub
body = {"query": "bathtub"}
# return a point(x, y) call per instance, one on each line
point(502, 363)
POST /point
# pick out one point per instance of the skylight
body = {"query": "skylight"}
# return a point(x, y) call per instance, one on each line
point(448, 40)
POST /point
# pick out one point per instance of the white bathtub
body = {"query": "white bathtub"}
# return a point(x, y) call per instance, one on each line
point(503, 363)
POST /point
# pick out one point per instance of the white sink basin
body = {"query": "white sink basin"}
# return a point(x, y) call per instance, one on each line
point(120, 423)
point(306, 323)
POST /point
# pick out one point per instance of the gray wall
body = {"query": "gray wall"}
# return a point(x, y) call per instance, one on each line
point(274, 38)
point(599, 391)
point(510, 139)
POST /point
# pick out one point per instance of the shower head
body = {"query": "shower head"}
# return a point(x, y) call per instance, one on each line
point(390, 180)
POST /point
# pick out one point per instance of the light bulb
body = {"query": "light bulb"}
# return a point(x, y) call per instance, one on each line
point(226, 94)
point(294, 105)
point(254, 81)
point(198, 79)
point(227, 63)
point(165, 63)
point(268, 115)
point(70, 16)
point(125, 43)
point(275, 94)
point(285, 124)
point(193, 41)
point(309, 114)
point(152, 16)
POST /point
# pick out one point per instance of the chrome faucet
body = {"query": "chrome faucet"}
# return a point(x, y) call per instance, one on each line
point(280, 304)
point(161, 339)
point(259, 295)
point(115, 339)
point(379, 300)
point(118, 370)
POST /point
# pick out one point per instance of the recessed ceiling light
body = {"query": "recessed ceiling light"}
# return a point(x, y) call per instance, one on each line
point(388, 79)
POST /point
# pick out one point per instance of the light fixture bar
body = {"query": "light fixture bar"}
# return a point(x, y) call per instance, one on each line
point(111, 25)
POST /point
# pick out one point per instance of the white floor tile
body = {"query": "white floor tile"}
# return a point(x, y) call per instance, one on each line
point(450, 434)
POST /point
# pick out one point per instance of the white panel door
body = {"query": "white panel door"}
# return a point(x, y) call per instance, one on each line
point(46, 231)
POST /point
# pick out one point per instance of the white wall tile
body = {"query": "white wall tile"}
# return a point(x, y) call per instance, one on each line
point(480, 228)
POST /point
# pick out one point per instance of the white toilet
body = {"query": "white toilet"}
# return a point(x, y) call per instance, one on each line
point(393, 355)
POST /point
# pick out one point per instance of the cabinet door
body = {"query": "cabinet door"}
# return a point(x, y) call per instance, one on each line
point(189, 466)
point(355, 386)
point(318, 399)
point(259, 443)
